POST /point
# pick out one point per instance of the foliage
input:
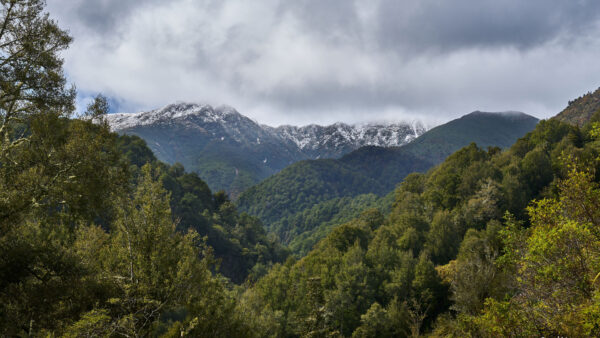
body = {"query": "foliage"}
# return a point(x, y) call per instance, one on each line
point(67, 173)
point(301, 186)
point(286, 200)
point(239, 241)
point(554, 269)
point(149, 270)
point(438, 259)
point(305, 229)
point(358, 270)
point(31, 75)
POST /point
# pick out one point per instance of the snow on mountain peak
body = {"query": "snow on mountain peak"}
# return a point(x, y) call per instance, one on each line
point(170, 113)
point(336, 138)
point(338, 134)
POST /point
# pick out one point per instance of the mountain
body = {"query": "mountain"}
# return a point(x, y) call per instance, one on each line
point(371, 169)
point(580, 110)
point(232, 152)
point(483, 128)
point(339, 139)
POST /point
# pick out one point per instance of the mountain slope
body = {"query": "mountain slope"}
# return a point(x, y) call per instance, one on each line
point(313, 224)
point(297, 187)
point(232, 152)
point(483, 128)
point(302, 185)
point(227, 149)
point(580, 110)
point(239, 241)
point(448, 237)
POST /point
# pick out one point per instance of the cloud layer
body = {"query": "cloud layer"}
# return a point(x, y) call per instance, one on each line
point(308, 61)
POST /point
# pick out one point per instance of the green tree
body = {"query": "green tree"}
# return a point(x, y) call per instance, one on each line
point(556, 267)
point(67, 173)
point(31, 75)
point(153, 269)
point(475, 275)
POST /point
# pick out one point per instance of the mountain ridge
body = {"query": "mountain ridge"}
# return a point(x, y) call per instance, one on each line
point(233, 152)
point(372, 133)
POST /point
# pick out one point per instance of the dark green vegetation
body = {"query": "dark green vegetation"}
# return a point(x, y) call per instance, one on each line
point(327, 215)
point(239, 241)
point(464, 251)
point(302, 187)
point(484, 129)
point(580, 110)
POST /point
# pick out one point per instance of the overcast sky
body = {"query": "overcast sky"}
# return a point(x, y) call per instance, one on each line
point(321, 61)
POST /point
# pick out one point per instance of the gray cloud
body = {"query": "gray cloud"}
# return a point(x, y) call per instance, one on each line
point(450, 25)
point(319, 61)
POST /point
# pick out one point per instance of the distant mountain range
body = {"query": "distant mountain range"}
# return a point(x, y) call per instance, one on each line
point(232, 152)
point(280, 198)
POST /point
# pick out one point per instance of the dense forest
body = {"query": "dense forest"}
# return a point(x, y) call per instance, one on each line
point(98, 238)
point(239, 241)
point(304, 201)
point(463, 251)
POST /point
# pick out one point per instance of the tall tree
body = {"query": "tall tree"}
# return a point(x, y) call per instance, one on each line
point(31, 74)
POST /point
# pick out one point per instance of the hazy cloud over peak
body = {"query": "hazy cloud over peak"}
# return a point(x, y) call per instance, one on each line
point(322, 61)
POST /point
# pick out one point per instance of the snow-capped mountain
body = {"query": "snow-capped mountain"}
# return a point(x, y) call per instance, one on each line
point(231, 151)
point(338, 139)
point(313, 139)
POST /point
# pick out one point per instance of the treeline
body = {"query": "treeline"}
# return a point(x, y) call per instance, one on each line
point(305, 229)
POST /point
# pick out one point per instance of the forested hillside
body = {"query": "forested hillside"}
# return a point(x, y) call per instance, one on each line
point(239, 241)
point(482, 128)
point(301, 231)
point(303, 186)
point(464, 251)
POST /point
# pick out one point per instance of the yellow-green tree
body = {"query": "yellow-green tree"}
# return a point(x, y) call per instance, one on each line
point(556, 267)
